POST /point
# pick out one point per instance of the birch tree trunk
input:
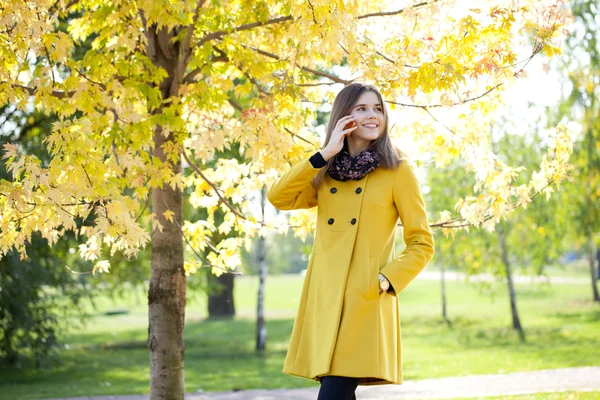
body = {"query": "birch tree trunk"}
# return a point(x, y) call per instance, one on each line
point(444, 311)
point(261, 327)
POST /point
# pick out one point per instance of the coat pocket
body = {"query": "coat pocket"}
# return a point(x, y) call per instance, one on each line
point(373, 277)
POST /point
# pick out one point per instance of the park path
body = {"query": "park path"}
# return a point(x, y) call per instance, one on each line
point(550, 380)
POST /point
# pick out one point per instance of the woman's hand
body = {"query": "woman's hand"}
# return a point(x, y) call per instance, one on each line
point(343, 128)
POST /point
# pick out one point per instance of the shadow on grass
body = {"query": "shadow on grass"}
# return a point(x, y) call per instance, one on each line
point(579, 316)
point(210, 336)
point(219, 355)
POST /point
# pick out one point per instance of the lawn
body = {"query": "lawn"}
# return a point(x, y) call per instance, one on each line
point(109, 355)
point(547, 396)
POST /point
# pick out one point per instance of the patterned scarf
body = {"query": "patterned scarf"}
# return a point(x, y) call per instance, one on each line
point(343, 167)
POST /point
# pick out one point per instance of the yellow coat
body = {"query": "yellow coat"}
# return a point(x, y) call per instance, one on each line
point(344, 326)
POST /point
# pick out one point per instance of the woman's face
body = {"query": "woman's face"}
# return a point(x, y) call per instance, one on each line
point(368, 115)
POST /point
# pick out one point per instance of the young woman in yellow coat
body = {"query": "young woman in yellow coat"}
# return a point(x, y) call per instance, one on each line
point(347, 330)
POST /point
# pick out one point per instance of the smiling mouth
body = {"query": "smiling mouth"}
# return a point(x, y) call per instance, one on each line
point(371, 126)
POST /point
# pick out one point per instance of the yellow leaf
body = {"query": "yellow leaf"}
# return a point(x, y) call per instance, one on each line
point(177, 182)
point(169, 215)
point(101, 266)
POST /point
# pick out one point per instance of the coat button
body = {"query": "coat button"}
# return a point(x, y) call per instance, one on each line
point(353, 221)
point(358, 190)
point(330, 221)
point(333, 190)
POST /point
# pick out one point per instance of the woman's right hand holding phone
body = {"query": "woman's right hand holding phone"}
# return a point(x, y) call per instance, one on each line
point(343, 128)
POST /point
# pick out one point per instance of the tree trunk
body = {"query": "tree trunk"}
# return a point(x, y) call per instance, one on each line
point(167, 291)
point(589, 220)
point(220, 303)
point(261, 327)
point(166, 294)
point(511, 288)
point(592, 256)
point(443, 281)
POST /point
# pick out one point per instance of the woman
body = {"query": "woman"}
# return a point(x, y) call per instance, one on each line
point(347, 330)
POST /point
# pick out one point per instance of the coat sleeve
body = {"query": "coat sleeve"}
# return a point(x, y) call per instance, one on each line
point(294, 189)
point(417, 234)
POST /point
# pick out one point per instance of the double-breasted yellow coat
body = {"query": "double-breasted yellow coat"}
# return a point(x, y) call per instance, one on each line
point(344, 326)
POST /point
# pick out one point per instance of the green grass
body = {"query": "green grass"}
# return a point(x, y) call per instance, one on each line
point(546, 396)
point(109, 355)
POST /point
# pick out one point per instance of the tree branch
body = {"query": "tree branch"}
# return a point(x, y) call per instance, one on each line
point(334, 78)
point(71, 4)
point(59, 94)
point(186, 50)
point(245, 27)
point(77, 272)
point(298, 136)
point(48, 57)
point(315, 84)
point(239, 107)
point(400, 11)
point(212, 185)
point(277, 20)
point(536, 50)
point(450, 223)
point(84, 76)
point(144, 24)
point(426, 106)
point(208, 264)
point(191, 76)
point(441, 123)
point(235, 105)
point(55, 6)
point(190, 31)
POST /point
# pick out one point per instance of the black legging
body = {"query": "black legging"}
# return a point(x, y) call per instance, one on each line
point(338, 388)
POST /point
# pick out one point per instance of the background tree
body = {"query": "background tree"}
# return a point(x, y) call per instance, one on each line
point(530, 240)
point(49, 291)
point(219, 289)
point(156, 90)
point(580, 68)
point(288, 256)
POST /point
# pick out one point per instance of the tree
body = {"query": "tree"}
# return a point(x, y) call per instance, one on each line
point(581, 69)
point(219, 288)
point(155, 93)
point(36, 300)
point(289, 256)
point(527, 242)
point(445, 185)
point(45, 294)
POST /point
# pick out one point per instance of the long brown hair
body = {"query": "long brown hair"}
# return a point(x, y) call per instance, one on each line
point(342, 106)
